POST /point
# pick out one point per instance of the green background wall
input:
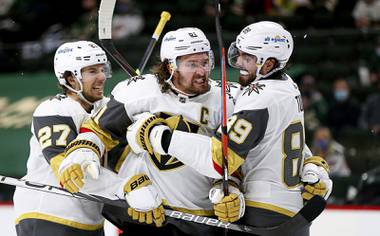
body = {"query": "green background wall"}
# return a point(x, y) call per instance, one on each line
point(20, 94)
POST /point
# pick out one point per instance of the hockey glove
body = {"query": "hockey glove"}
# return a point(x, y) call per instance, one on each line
point(144, 201)
point(161, 141)
point(81, 157)
point(138, 132)
point(227, 208)
point(315, 178)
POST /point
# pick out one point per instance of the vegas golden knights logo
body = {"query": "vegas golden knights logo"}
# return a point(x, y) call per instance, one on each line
point(167, 162)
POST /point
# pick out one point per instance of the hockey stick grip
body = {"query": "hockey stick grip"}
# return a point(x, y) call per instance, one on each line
point(165, 17)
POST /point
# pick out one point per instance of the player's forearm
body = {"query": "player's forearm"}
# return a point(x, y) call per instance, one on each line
point(193, 150)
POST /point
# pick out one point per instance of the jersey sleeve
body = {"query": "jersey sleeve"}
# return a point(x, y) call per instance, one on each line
point(53, 133)
point(245, 131)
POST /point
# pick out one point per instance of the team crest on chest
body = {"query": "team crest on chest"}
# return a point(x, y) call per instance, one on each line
point(167, 162)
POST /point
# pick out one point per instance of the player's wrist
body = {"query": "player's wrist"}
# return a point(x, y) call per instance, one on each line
point(160, 137)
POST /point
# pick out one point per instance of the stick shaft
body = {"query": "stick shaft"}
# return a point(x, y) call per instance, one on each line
point(165, 17)
point(223, 95)
point(314, 207)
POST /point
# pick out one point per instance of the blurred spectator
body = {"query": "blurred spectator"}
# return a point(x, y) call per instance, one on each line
point(30, 18)
point(5, 5)
point(343, 13)
point(127, 20)
point(370, 118)
point(368, 191)
point(333, 152)
point(315, 105)
point(86, 27)
point(344, 110)
point(256, 7)
point(374, 57)
point(367, 14)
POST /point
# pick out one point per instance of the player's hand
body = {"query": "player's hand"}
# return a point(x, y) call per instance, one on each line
point(144, 201)
point(228, 208)
point(75, 166)
point(315, 177)
point(160, 135)
point(138, 132)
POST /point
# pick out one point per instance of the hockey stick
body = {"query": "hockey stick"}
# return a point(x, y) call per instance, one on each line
point(165, 17)
point(223, 94)
point(304, 217)
point(105, 35)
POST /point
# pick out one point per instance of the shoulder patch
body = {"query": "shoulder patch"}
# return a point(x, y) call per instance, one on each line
point(59, 97)
point(134, 79)
point(254, 87)
point(229, 86)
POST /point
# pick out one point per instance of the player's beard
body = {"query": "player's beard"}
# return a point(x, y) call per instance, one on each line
point(202, 88)
point(94, 93)
point(246, 78)
point(195, 86)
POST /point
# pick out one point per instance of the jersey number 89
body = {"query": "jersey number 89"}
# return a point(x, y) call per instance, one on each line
point(293, 143)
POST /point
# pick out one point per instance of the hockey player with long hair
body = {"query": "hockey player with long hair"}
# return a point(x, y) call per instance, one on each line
point(265, 131)
point(181, 95)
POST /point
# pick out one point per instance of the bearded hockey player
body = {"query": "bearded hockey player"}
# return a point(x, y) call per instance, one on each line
point(181, 95)
point(266, 134)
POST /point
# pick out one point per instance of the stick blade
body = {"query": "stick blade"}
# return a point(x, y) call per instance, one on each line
point(313, 208)
point(105, 19)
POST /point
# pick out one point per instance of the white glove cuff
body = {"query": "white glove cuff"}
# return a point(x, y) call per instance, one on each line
point(310, 173)
point(143, 199)
point(86, 158)
point(155, 138)
point(216, 193)
point(90, 136)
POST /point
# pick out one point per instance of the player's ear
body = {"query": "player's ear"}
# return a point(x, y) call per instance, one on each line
point(269, 65)
point(170, 67)
point(70, 80)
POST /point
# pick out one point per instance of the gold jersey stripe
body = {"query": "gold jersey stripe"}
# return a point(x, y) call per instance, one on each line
point(58, 220)
point(270, 207)
point(234, 160)
point(103, 135)
point(122, 158)
point(55, 162)
point(185, 210)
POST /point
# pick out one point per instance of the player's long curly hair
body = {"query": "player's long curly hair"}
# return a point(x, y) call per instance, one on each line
point(162, 72)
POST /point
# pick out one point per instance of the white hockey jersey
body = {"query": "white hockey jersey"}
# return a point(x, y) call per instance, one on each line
point(55, 124)
point(266, 140)
point(180, 186)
